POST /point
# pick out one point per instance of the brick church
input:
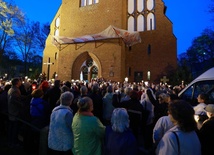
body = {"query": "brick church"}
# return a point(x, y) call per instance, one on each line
point(110, 39)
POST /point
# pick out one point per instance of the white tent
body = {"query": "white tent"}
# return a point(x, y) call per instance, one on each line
point(129, 38)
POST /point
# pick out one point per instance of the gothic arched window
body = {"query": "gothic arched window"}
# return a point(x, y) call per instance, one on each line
point(150, 21)
point(141, 15)
point(57, 24)
point(140, 20)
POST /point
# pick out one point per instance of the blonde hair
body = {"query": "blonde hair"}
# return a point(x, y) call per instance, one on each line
point(83, 103)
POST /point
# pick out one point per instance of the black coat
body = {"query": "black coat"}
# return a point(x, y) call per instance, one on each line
point(135, 111)
point(206, 136)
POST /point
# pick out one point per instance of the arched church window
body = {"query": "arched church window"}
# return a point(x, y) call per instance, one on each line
point(150, 5)
point(85, 72)
point(140, 5)
point(89, 62)
point(85, 69)
point(140, 20)
point(57, 24)
point(140, 15)
point(94, 72)
point(130, 6)
point(88, 2)
point(131, 24)
point(56, 33)
point(94, 69)
point(150, 21)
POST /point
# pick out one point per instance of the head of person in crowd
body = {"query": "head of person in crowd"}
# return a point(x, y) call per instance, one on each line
point(109, 89)
point(164, 98)
point(95, 88)
point(181, 113)
point(68, 84)
point(120, 120)
point(44, 86)
point(173, 97)
point(57, 83)
point(134, 95)
point(64, 88)
point(66, 98)
point(7, 87)
point(37, 93)
point(83, 90)
point(210, 110)
point(176, 90)
point(202, 98)
point(85, 104)
point(150, 92)
point(128, 90)
point(16, 82)
point(135, 87)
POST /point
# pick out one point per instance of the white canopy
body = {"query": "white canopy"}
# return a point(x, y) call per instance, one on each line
point(129, 38)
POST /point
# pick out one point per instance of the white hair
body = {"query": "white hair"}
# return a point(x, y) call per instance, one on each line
point(66, 98)
point(120, 120)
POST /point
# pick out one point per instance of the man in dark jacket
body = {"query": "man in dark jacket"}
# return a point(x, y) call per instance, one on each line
point(97, 101)
point(53, 94)
point(15, 106)
point(135, 111)
point(206, 134)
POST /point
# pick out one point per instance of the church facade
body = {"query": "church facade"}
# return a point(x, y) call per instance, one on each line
point(110, 58)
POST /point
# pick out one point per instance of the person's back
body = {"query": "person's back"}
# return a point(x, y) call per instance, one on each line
point(15, 106)
point(53, 94)
point(135, 111)
point(14, 100)
point(97, 102)
point(187, 143)
point(87, 129)
point(4, 99)
point(161, 109)
point(161, 127)
point(108, 105)
point(206, 134)
point(87, 134)
point(182, 138)
point(39, 109)
point(60, 137)
point(120, 143)
point(83, 93)
point(119, 140)
point(4, 109)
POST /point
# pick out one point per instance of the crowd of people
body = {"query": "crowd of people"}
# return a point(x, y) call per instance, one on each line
point(105, 117)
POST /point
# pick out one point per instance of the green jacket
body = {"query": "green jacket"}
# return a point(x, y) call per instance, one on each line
point(88, 135)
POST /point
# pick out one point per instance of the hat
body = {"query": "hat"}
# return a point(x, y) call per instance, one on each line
point(210, 108)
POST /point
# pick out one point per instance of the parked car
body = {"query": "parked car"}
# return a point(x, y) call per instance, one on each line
point(202, 84)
